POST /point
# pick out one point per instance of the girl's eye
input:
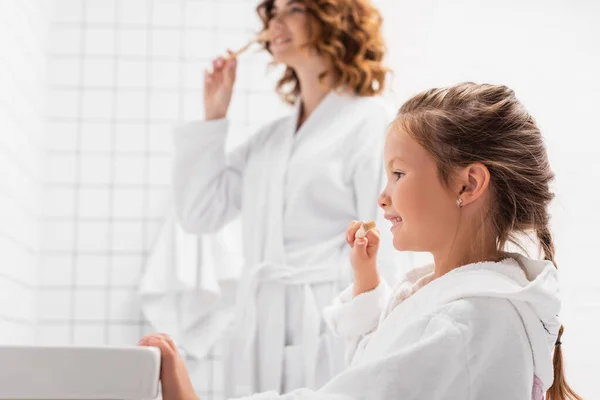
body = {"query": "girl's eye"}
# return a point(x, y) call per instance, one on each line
point(399, 175)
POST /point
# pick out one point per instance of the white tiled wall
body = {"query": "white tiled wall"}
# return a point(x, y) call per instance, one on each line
point(22, 77)
point(121, 74)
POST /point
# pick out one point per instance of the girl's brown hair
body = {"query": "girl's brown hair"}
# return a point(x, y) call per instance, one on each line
point(348, 34)
point(471, 123)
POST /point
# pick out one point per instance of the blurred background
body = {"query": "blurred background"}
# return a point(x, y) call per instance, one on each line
point(91, 89)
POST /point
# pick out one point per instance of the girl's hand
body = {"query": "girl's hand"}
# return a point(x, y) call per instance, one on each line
point(363, 258)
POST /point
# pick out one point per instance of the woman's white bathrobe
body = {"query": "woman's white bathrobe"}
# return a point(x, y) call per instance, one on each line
point(481, 331)
point(296, 192)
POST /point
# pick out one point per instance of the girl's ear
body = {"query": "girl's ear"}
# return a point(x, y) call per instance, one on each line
point(473, 182)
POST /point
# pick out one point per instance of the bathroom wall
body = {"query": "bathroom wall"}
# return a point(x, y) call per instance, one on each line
point(121, 75)
point(23, 32)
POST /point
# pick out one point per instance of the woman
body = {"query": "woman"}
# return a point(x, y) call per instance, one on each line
point(296, 184)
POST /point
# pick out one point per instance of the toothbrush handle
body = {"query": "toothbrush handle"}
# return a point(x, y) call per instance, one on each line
point(241, 50)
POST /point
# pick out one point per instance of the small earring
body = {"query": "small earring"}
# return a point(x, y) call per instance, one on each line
point(459, 202)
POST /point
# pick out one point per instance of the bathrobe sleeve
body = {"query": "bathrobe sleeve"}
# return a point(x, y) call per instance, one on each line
point(353, 319)
point(207, 183)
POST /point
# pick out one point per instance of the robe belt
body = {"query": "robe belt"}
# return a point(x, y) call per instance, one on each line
point(311, 315)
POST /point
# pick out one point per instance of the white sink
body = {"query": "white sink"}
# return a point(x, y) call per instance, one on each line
point(82, 373)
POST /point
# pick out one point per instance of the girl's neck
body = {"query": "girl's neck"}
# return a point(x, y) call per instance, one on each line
point(443, 265)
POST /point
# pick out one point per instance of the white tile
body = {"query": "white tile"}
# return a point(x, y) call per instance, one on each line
point(124, 305)
point(167, 13)
point(193, 74)
point(68, 11)
point(57, 235)
point(54, 305)
point(8, 139)
point(167, 43)
point(97, 104)
point(53, 335)
point(241, 18)
point(127, 236)
point(16, 300)
point(124, 334)
point(200, 14)
point(90, 305)
point(61, 136)
point(132, 73)
point(95, 169)
point(160, 170)
point(92, 236)
point(101, 11)
point(96, 137)
point(64, 71)
point(234, 40)
point(58, 202)
point(94, 203)
point(193, 107)
point(133, 11)
point(130, 137)
point(99, 72)
point(128, 203)
point(89, 335)
point(133, 42)
point(200, 44)
point(161, 137)
point(26, 306)
point(63, 104)
point(129, 170)
point(99, 41)
point(126, 270)
point(165, 106)
point(10, 253)
point(165, 74)
point(56, 270)
point(16, 333)
point(19, 264)
point(65, 40)
point(131, 105)
point(158, 201)
point(92, 270)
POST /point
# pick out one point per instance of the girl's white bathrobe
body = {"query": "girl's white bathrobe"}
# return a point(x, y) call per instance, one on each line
point(482, 331)
point(296, 192)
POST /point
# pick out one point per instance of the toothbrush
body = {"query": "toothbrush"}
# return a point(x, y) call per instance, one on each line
point(364, 228)
point(264, 36)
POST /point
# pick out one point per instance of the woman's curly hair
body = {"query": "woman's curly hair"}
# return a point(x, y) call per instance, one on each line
point(348, 34)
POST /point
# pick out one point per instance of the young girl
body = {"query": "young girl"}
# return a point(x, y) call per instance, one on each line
point(467, 172)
